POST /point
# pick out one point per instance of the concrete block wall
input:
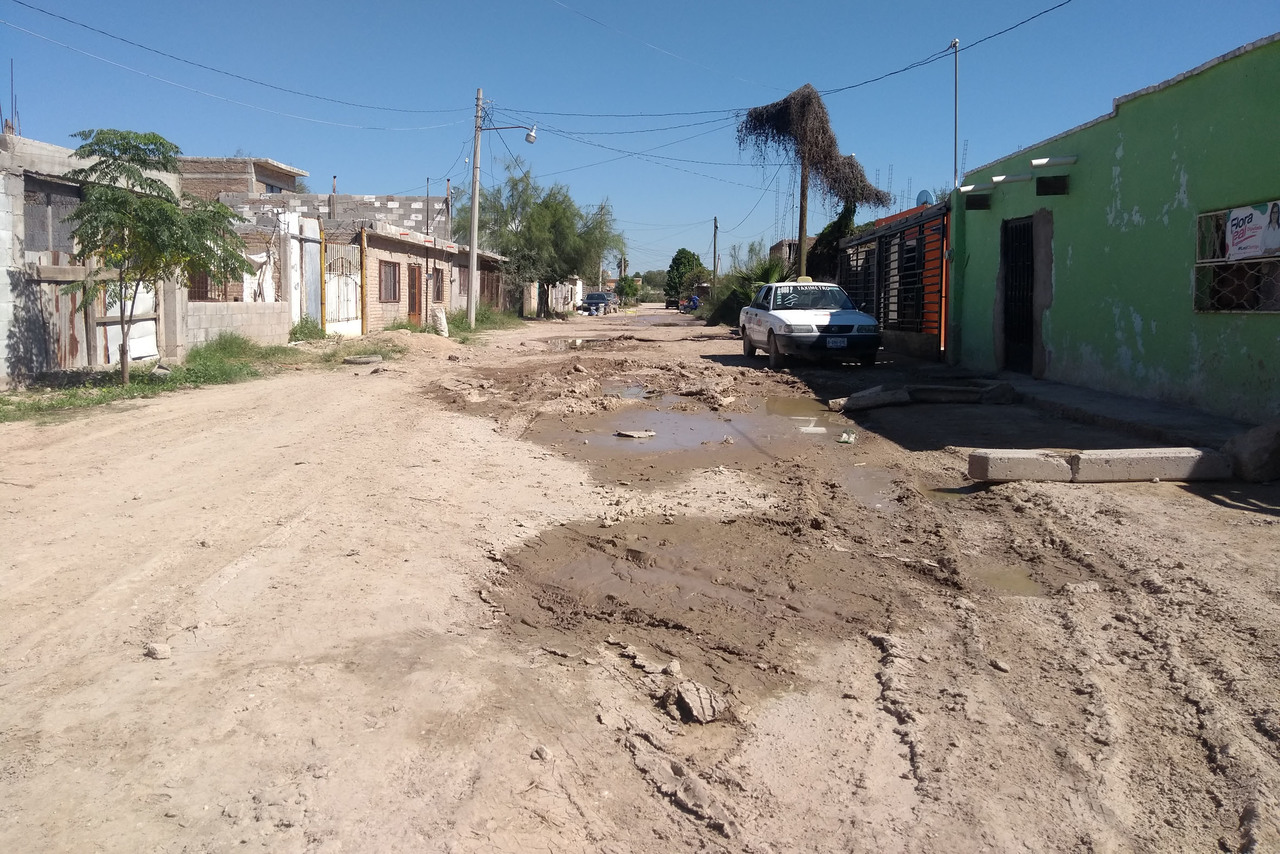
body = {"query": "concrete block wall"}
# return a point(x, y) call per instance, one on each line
point(264, 322)
point(424, 214)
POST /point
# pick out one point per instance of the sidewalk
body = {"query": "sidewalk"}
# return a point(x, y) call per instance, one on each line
point(1162, 422)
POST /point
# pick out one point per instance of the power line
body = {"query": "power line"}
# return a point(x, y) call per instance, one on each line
point(942, 54)
point(929, 60)
point(222, 98)
point(221, 71)
point(763, 193)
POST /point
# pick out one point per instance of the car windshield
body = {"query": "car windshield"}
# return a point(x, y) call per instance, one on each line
point(597, 298)
point(804, 297)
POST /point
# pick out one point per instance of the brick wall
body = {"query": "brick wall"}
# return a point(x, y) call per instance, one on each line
point(380, 313)
point(264, 322)
point(206, 177)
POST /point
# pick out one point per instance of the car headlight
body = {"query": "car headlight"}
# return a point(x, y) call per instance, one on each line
point(867, 327)
point(797, 328)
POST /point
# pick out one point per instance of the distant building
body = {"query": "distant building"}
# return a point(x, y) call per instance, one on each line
point(206, 177)
point(789, 250)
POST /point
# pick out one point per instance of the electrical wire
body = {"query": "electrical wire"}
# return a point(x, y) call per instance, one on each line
point(218, 97)
point(763, 193)
point(935, 57)
point(221, 71)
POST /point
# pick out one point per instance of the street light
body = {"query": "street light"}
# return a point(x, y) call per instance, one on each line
point(473, 289)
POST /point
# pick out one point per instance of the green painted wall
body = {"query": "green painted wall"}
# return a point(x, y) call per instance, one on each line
point(1124, 240)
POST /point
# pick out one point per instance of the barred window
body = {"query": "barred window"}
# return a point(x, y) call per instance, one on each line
point(201, 289)
point(388, 281)
point(1226, 284)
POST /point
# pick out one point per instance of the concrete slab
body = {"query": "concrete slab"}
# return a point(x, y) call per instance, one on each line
point(1134, 464)
point(876, 397)
point(1002, 466)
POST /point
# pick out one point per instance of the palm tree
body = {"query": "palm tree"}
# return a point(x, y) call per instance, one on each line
point(799, 126)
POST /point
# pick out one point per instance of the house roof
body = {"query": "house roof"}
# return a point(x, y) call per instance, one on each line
point(264, 161)
point(1115, 104)
point(282, 167)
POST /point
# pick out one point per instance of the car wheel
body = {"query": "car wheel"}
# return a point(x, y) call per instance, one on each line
point(777, 361)
point(748, 349)
point(868, 360)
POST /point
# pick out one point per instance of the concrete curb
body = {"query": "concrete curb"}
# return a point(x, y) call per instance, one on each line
point(1108, 466)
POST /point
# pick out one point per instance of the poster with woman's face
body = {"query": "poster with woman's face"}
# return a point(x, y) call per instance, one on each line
point(1253, 231)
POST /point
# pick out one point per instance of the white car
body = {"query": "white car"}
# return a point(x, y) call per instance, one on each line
point(807, 318)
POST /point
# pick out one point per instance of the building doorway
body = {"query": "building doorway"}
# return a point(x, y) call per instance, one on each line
point(1018, 250)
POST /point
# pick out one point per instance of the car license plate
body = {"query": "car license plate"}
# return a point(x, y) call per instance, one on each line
point(837, 342)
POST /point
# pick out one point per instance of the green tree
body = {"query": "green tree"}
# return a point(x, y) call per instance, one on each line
point(654, 280)
point(628, 289)
point(747, 271)
point(140, 231)
point(542, 233)
point(682, 263)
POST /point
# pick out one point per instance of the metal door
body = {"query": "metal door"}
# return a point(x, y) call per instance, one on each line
point(1019, 278)
point(415, 295)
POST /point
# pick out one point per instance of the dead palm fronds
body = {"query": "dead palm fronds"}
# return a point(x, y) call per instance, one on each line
point(799, 126)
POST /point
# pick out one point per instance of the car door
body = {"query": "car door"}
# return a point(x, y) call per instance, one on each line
point(755, 325)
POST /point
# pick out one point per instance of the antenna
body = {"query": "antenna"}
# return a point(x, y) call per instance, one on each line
point(908, 195)
point(964, 157)
point(889, 186)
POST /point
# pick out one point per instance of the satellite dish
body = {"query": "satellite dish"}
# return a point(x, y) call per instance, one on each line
point(925, 198)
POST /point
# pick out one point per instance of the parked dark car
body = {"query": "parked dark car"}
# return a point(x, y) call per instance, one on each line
point(673, 302)
point(598, 302)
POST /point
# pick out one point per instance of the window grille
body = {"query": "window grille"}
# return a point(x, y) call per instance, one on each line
point(201, 289)
point(1223, 285)
point(388, 281)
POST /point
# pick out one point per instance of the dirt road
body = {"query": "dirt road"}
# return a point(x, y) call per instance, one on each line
point(444, 608)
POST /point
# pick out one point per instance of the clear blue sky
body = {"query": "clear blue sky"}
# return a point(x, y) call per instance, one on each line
point(598, 77)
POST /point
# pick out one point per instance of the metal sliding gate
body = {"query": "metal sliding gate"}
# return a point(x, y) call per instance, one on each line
point(898, 274)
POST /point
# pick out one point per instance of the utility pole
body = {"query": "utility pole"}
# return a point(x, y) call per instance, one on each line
point(803, 249)
point(473, 286)
point(955, 135)
point(715, 251)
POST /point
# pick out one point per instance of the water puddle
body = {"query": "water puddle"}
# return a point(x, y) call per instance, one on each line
point(808, 415)
point(1007, 580)
point(566, 343)
point(872, 487)
point(629, 392)
point(945, 494)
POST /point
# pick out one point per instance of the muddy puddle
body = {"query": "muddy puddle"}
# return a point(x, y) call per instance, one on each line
point(568, 344)
point(775, 427)
point(1007, 580)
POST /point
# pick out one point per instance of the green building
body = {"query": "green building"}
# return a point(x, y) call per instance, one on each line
point(1137, 253)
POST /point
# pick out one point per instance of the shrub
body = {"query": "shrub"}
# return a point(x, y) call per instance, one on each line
point(306, 329)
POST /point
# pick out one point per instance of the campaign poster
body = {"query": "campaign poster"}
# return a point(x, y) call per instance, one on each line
point(1253, 231)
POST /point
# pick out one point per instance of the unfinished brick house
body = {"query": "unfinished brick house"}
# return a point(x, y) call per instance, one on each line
point(207, 177)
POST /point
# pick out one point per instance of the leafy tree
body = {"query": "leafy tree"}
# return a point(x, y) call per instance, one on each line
point(739, 285)
point(824, 256)
point(627, 289)
point(799, 125)
point(682, 263)
point(654, 280)
point(542, 233)
point(140, 231)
